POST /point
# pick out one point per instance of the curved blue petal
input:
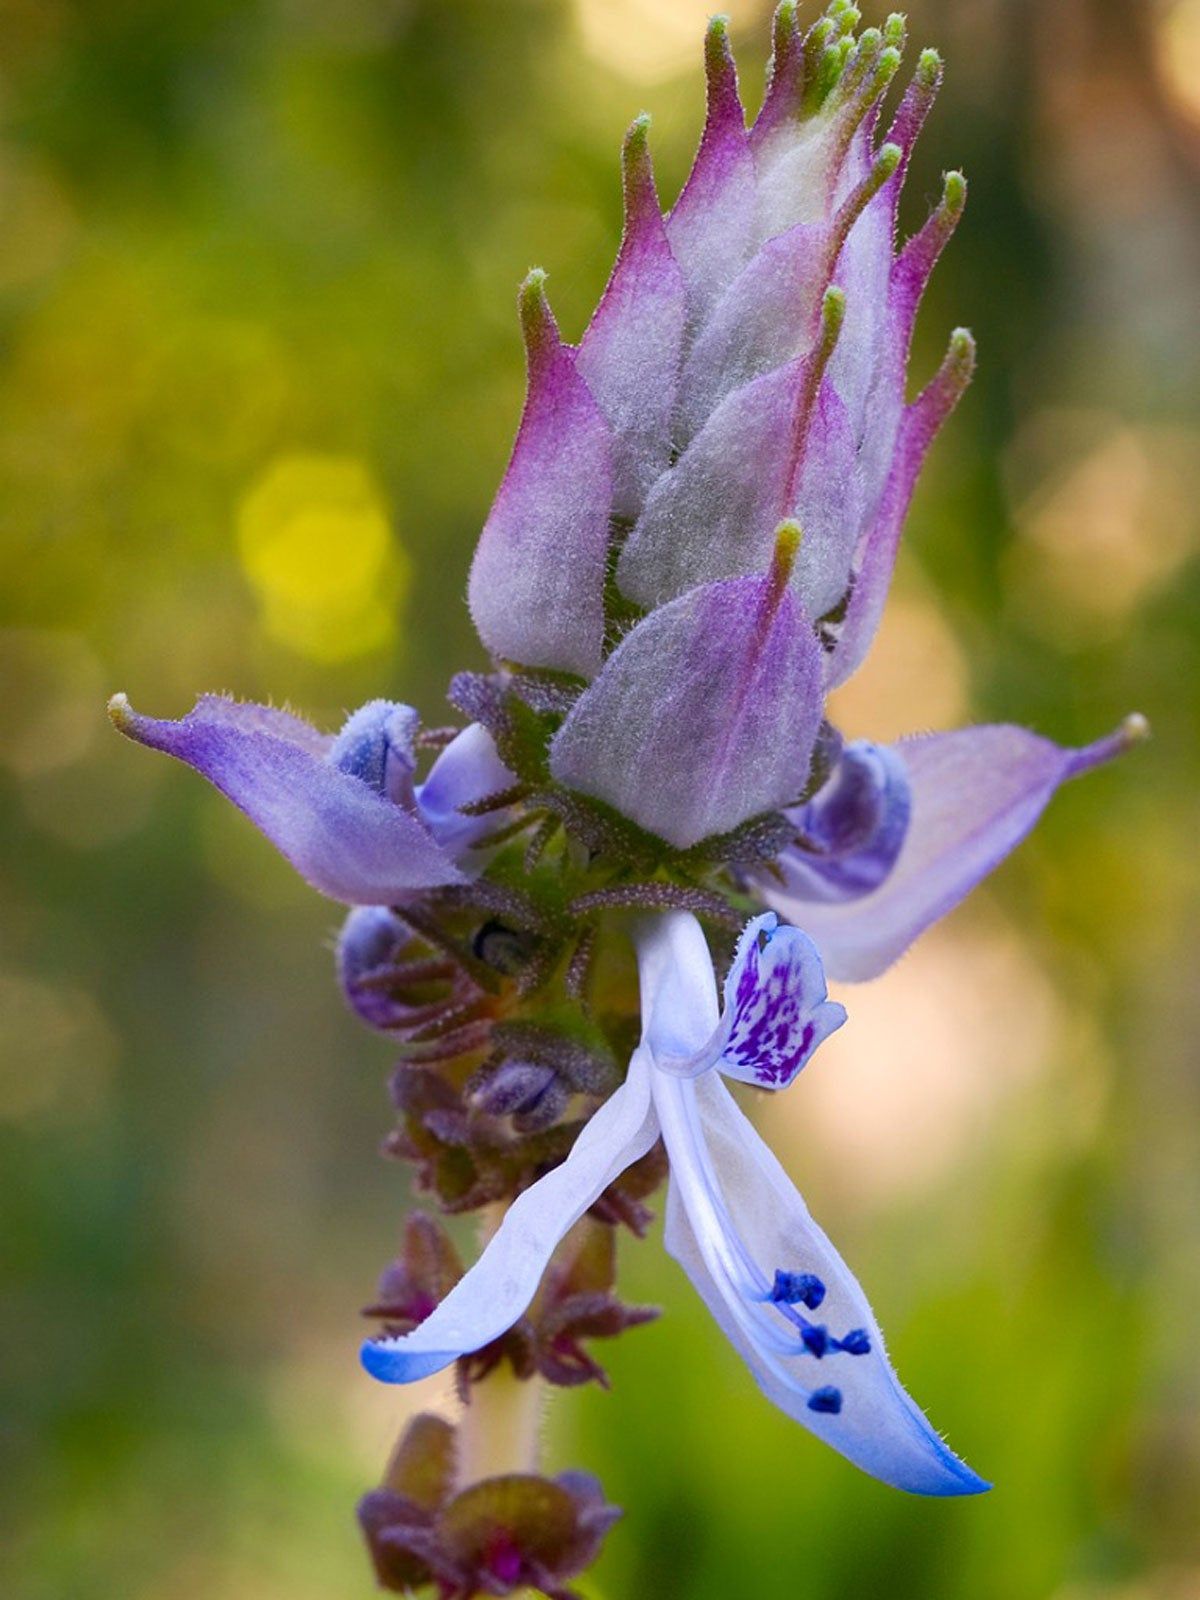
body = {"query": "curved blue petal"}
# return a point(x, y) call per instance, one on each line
point(468, 769)
point(492, 1295)
point(744, 1236)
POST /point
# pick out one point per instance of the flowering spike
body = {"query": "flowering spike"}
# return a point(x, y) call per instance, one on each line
point(649, 750)
point(536, 585)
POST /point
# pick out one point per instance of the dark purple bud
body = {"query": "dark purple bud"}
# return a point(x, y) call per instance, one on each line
point(852, 830)
point(510, 1086)
point(370, 945)
point(521, 1530)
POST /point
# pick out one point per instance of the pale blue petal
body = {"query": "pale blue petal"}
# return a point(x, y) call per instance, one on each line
point(734, 1219)
point(680, 1017)
point(499, 1287)
point(468, 769)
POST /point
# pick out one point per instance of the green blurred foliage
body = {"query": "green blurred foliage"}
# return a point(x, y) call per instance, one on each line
point(254, 243)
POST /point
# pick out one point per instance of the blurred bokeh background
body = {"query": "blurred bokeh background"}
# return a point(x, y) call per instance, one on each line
point(259, 376)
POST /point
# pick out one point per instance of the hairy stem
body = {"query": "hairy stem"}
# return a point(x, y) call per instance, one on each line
point(501, 1428)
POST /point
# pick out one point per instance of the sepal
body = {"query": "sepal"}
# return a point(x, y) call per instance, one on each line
point(629, 357)
point(705, 715)
point(493, 1537)
point(536, 589)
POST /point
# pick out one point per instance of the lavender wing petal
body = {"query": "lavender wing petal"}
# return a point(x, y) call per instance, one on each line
point(975, 794)
point(342, 835)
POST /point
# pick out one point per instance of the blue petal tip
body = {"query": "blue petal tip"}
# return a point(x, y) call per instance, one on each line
point(391, 1363)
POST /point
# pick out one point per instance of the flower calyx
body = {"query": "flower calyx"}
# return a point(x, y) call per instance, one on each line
point(493, 1537)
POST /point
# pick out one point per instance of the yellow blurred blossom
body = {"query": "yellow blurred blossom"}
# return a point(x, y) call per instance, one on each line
point(315, 542)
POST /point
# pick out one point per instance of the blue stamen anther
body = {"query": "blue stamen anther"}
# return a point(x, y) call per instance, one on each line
point(815, 1339)
point(826, 1400)
point(856, 1343)
point(797, 1288)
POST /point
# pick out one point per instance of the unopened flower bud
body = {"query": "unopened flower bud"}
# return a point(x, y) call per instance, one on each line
point(376, 745)
point(511, 1087)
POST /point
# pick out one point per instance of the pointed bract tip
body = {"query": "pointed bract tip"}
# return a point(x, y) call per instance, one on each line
point(720, 69)
point(954, 193)
point(120, 713)
point(870, 40)
point(886, 162)
point(783, 23)
point(1134, 730)
point(716, 35)
point(788, 537)
point(886, 70)
point(844, 15)
point(929, 69)
point(960, 353)
point(635, 151)
point(639, 129)
point(537, 320)
point(895, 30)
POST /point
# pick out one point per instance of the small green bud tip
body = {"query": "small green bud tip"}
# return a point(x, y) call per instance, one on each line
point(889, 66)
point(886, 162)
point(954, 193)
point(895, 29)
point(533, 308)
point(929, 68)
point(869, 41)
point(962, 347)
point(833, 314)
point(716, 42)
point(635, 153)
point(788, 538)
point(783, 558)
point(818, 36)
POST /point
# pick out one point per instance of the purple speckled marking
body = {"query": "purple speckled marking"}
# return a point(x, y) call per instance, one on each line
point(771, 1033)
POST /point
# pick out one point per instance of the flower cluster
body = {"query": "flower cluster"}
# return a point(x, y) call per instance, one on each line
point(691, 547)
